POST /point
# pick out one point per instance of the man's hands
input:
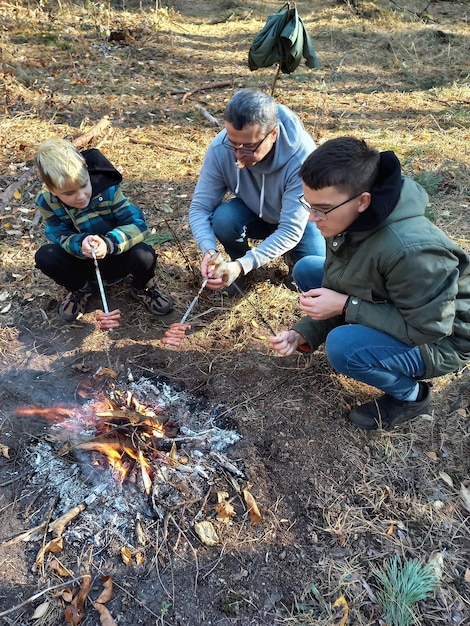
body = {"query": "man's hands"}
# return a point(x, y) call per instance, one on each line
point(96, 242)
point(319, 304)
point(322, 303)
point(220, 272)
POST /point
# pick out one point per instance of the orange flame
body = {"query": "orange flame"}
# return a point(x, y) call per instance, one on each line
point(115, 429)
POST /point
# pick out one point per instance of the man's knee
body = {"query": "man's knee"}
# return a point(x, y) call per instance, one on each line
point(228, 220)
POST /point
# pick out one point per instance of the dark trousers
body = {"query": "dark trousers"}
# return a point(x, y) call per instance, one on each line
point(73, 273)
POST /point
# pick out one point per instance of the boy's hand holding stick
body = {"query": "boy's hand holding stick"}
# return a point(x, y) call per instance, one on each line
point(108, 320)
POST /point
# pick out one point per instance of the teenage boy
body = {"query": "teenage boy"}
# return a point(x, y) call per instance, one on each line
point(394, 306)
point(84, 208)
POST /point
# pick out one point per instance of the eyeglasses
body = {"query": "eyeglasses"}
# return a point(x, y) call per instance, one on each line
point(319, 214)
point(244, 148)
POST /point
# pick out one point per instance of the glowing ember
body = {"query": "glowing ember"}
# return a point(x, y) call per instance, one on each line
point(125, 430)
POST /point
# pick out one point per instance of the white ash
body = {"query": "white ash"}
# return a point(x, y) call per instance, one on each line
point(113, 508)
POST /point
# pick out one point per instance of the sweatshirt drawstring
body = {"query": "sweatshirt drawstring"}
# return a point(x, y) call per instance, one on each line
point(261, 198)
point(261, 195)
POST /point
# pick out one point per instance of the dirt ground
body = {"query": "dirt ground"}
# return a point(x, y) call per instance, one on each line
point(335, 502)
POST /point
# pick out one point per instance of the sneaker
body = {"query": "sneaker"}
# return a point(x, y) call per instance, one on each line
point(156, 302)
point(74, 304)
point(387, 412)
point(235, 289)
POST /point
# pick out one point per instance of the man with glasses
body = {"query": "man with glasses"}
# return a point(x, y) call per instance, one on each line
point(256, 159)
point(394, 306)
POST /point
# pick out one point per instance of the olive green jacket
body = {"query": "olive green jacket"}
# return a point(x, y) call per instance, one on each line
point(284, 40)
point(406, 278)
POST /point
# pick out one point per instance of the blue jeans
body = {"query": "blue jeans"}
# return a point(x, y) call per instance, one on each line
point(234, 223)
point(308, 272)
point(375, 358)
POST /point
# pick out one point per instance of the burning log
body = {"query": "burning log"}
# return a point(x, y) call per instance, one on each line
point(124, 415)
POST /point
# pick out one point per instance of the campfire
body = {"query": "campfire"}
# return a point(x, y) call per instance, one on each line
point(127, 464)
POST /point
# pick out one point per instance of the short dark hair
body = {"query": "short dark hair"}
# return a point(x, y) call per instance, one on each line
point(249, 107)
point(346, 163)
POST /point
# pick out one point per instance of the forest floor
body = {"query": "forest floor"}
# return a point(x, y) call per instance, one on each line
point(336, 504)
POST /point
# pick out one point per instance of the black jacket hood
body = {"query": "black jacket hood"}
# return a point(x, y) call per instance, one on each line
point(385, 194)
point(102, 173)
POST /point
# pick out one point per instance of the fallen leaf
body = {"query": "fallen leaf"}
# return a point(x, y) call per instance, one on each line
point(5, 450)
point(254, 323)
point(139, 557)
point(225, 512)
point(105, 371)
point(6, 308)
point(41, 610)
point(75, 612)
point(126, 555)
point(341, 602)
point(465, 497)
point(437, 562)
point(107, 593)
point(17, 194)
point(462, 412)
point(221, 496)
point(105, 615)
point(140, 534)
point(467, 575)
point(173, 456)
point(57, 526)
point(206, 533)
point(66, 595)
point(446, 478)
point(55, 545)
point(255, 515)
point(432, 455)
point(57, 567)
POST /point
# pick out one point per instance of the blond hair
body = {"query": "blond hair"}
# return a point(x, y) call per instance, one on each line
point(60, 163)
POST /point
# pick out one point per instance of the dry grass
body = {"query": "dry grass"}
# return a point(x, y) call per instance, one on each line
point(397, 78)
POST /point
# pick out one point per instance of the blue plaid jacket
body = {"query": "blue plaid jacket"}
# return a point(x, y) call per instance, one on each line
point(109, 214)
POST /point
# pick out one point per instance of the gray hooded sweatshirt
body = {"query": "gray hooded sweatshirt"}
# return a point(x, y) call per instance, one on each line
point(270, 189)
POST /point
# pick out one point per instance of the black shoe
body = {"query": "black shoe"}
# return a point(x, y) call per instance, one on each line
point(387, 412)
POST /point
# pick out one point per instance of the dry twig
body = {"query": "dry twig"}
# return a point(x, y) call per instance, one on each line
point(36, 596)
point(188, 94)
